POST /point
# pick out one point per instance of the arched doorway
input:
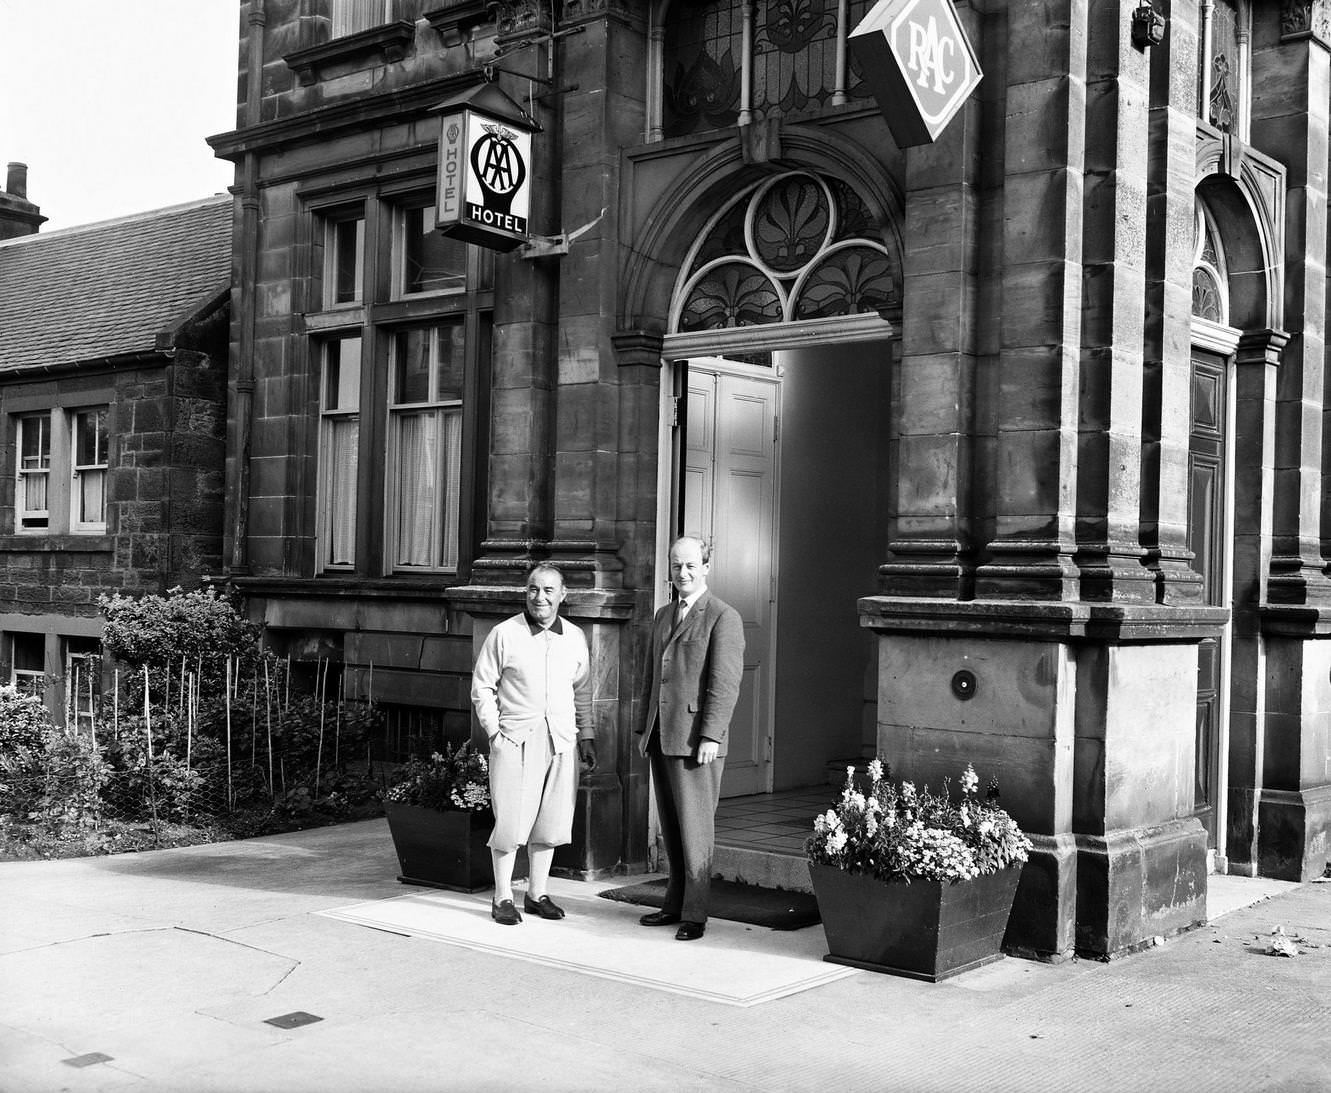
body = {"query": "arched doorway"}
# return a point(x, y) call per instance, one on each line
point(775, 444)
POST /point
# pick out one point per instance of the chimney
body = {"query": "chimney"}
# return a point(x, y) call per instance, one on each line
point(18, 215)
point(16, 180)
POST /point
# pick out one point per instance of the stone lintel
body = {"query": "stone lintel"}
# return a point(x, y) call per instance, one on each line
point(581, 603)
point(1295, 620)
point(1047, 620)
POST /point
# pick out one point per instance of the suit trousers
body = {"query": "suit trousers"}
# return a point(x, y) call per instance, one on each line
point(686, 795)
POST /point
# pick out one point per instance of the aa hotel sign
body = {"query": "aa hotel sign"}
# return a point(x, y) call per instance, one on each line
point(918, 62)
point(484, 179)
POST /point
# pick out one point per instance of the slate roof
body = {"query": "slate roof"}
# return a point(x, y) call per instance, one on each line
point(110, 288)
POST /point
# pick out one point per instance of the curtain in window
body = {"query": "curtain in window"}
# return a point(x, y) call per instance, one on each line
point(427, 488)
point(92, 502)
point(351, 16)
point(341, 456)
point(34, 492)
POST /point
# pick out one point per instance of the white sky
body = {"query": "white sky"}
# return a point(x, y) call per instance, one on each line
point(108, 102)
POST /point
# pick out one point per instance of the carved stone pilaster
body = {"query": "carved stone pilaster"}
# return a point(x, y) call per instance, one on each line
point(1306, 19)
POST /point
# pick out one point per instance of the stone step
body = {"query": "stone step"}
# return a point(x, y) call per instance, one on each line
point(762, 867)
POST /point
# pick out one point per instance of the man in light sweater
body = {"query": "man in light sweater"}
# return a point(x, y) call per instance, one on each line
point(531, 689)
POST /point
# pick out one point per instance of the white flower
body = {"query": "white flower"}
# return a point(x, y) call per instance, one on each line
point(875, 770)
point(969, 779)
point(837, 842)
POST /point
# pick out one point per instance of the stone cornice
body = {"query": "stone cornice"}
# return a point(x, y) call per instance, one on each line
point(1300, 19)
point(1044, 620)
point(355, 114)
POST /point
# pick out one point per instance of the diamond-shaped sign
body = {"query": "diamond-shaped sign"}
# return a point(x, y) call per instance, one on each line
point(919, 64)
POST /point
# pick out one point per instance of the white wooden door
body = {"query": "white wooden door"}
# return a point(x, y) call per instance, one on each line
point(729, 494)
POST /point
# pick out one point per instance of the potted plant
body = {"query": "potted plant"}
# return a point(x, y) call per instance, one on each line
point(439, 815)
point(912, 883)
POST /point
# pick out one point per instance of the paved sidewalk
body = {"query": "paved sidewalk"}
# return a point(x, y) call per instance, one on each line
point(159, 971)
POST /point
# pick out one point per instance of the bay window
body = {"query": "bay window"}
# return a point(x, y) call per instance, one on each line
point(401, 340)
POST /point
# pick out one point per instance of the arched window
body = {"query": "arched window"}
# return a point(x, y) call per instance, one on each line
point(796, 246)
point(1210, 280)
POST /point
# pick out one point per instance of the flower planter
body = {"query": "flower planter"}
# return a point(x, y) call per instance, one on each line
point(924, 929)
point(441, 849)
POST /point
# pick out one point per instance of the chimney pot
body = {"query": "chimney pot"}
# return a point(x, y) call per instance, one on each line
point(16, 180)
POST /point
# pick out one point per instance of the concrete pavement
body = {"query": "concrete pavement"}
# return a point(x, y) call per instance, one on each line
point(160, 972)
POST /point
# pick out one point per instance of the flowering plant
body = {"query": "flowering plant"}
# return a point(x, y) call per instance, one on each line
point(456, 778)
point(891, 831)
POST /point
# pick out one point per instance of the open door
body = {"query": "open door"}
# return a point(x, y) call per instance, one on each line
point(727, 492)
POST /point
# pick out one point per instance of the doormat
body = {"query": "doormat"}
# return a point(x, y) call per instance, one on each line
point(774, 908)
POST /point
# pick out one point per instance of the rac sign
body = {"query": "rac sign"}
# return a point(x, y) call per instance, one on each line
point(916, 59)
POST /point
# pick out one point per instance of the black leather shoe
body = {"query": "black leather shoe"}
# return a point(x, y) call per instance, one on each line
point(545, 907)
point(659, 918)
point(505, 913)
point(690, 931)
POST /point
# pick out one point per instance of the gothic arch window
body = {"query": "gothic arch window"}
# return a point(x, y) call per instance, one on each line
point(1210, 279)
point(792, 247)
point(718, 63)
point(1224, 65)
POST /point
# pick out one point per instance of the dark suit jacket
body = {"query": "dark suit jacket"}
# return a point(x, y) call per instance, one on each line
point(693, 676)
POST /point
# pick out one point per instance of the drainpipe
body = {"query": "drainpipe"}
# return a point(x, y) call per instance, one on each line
point(243, 406)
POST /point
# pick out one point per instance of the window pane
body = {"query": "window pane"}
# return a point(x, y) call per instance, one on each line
point(432, 261)
point(411, 379)
point(342, 374)
point(90, 438)
point(346, 261)
point(35, 442)
point(449, 361)
point(341, 444)
point(92, 502)
point(427, 487)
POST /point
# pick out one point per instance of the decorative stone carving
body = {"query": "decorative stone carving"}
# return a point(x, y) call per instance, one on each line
point(520, 17)
point(1306, 19)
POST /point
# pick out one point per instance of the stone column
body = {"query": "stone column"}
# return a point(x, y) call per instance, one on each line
point(932, 538)
point(603, 438)
point(1291, 121)
point(525, 332)
point(1256, 364)
point(1032, 409)
point(1109, 552)
point(1166, 365)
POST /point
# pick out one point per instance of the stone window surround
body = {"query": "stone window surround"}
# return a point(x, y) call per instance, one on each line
point(61, 534)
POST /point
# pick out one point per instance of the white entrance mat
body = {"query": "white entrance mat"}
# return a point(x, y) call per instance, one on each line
point(732, 963)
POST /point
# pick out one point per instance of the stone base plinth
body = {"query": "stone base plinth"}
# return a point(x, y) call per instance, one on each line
point(1294, 833)
point(1135, 885)
point(1043, 922)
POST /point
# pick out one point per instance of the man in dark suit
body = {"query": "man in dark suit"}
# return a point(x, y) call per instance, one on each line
point(692, 683)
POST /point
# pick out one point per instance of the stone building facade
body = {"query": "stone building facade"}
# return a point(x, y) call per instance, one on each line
point(113, 354)
point(1011, 444)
